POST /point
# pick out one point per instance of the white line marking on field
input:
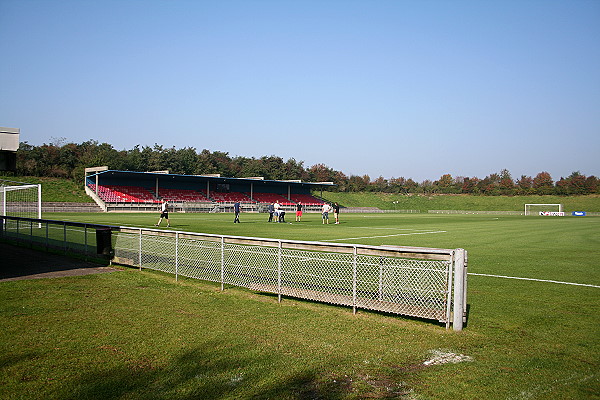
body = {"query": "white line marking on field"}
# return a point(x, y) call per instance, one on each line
point(537, 280)
point(382, 236)
point(394, 229)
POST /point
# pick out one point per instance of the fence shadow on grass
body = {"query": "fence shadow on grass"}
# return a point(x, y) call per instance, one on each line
point(214, 371)
point(26, 263)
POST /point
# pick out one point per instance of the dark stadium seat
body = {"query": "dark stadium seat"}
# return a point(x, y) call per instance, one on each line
point(271, 198)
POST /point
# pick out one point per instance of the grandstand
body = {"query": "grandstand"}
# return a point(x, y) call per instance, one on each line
point(124, 194)
point(143, 191)
point(230, 197)
point(306, 199)
point(268, 198)
point(184, 196)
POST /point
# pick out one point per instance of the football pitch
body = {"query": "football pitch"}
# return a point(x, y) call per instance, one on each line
point(532, 330)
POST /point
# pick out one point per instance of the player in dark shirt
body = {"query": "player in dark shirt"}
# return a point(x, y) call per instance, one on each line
point(236, 209)
point(298, 211)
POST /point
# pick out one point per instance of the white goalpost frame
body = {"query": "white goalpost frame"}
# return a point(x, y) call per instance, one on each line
point(29, 211)
point(553, 213)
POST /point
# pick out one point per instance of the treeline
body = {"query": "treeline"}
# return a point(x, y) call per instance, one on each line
point(68, 160)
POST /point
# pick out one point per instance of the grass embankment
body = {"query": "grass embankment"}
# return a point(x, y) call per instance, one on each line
point(385, 201)
point(56, 189)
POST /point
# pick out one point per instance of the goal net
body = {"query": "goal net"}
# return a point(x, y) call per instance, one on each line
point(18, 199)
point(554, 210)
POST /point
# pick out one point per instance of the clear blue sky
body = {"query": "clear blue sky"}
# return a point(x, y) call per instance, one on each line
point(385, 88)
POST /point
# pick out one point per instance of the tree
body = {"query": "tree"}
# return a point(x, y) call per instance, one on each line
point(397, 185)
point(506, 184)
point(427, 187)
point(204, 163)
point(26, 160)
point(543, 183)
point(341, 181)
point(470, 185)
point(94, 154)
point(295, 170)
point(525, 185)
point(321, 173)
point(136, 160)
point(358, 183)
point(445, 184)
point(562, 186)
point(490, 185)
point(221, 163)
point(411, 186)
point(185, 161)
point(274, 167)
point(379, 185)
point(576, 183)
point(63, 159)
point(591, 185)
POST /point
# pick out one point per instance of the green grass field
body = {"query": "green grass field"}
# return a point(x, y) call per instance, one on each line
point(139, 335)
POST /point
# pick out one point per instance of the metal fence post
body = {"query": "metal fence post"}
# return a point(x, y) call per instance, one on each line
point(380, 278)
point(65, 236)
point(222, 263)
point(459, 283)
point(279, 272)
point(176, 256)
point(140, 250)
point(39, 203)
point(449, 272)
point(354, 280)
point(465, 286)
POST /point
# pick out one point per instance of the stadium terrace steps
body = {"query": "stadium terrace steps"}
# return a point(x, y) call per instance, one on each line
point(69, 207)
point(230, 197)
point(269, 198)
point(124, 194)
point(183, 195)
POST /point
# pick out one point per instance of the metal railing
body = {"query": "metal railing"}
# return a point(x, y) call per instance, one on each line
point(420, 282)
point(67, 237)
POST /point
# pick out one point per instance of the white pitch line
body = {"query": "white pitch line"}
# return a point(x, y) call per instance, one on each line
point(394, 229)
point(537, 280)
point(382, 236)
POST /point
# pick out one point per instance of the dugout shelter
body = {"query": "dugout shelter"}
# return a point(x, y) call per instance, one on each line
point(115, 190)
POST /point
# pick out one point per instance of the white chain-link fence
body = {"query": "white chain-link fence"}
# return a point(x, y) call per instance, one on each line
point(410, 281)
point(420, 282)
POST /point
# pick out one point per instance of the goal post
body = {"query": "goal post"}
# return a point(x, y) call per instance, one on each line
point(547, 209)
point(18, 199)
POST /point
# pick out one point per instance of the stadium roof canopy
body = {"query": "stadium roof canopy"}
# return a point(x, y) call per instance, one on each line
point(104, 176)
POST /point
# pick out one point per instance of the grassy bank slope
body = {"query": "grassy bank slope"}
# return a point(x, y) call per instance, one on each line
point(385, 201)
point(56, 189)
